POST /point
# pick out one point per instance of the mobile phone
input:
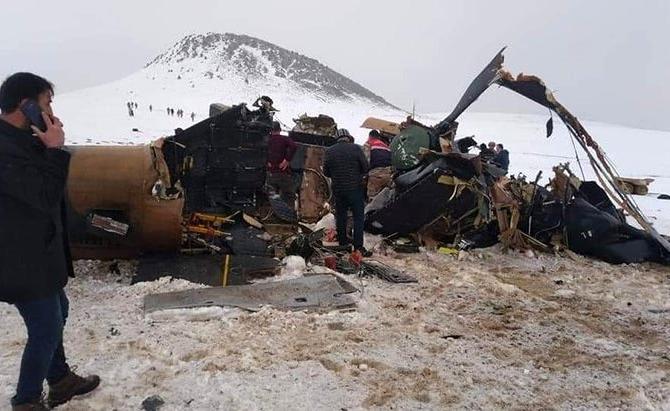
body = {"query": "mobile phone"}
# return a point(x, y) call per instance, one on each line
point(33, 112)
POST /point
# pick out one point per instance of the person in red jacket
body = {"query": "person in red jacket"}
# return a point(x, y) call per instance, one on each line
point(380, 153)
point(280, 153)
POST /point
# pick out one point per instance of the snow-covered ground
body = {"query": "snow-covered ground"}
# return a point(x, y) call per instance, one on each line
point(484, 331)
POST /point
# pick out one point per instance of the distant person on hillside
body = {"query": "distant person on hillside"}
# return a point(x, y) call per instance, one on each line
point(502, 157)
point(192, 116)
point(280, 153)
point(150, 108)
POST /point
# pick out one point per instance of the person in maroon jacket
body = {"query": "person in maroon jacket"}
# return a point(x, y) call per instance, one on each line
point(280, 152)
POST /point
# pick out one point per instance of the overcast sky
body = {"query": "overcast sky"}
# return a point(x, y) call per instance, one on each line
point(606, 60)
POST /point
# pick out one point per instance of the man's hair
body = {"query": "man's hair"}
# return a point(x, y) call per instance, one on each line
point(500, 145)
point(19, 86)
point(492, 143)
point(276, 126)
point(374, 133)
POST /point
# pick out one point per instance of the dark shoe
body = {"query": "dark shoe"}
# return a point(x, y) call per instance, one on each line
point(69, 386)
point(37, 405)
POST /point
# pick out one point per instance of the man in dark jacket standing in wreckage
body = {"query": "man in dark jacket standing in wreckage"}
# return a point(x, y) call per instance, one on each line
point(34, 253)
point(347, 167)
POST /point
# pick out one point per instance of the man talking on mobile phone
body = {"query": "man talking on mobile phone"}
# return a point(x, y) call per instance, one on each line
point(35, 258)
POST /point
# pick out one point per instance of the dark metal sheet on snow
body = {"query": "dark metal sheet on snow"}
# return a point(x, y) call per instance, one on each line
point(318, 292)
point(205, 269)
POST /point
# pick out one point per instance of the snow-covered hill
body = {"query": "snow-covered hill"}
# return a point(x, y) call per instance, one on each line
point(259, 64)
point(203, 69)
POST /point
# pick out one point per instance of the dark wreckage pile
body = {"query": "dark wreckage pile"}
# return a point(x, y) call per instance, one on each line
point(195, 205)
point(441, 194)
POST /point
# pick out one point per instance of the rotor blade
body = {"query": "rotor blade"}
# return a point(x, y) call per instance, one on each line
point(487, 77)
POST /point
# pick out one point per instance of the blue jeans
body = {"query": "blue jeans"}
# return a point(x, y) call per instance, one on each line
point(44, 356)
point(354, 201)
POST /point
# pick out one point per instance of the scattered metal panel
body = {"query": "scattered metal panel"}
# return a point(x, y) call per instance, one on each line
point(314, 293)
point(213, 270)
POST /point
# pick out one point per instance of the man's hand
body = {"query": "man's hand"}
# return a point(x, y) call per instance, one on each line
point(54, 136)
point(283, 165)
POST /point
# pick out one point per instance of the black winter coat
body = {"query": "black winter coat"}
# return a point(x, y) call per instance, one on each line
point(346, 166)
point(502, 159)
point(34, 252)
point(380, 158)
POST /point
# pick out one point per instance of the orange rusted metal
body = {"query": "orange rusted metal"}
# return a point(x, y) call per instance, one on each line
point(119, 180)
